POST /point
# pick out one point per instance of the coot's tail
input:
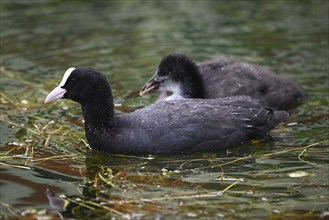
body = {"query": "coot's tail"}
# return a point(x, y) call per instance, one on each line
point(267, 120)
point(278, 117)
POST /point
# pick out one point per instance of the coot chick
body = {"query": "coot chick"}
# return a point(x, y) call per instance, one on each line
point(178, 77)
point(166, 127)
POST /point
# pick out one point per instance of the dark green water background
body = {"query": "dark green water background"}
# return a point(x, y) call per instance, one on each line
point(42, 146)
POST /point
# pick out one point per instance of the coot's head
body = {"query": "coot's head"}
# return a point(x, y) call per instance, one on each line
point(81, 85)
point(178, 74)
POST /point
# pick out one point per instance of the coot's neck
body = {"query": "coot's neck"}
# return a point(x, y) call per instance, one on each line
point(99, 112)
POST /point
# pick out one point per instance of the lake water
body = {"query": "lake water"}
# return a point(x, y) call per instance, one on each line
point(46, 169)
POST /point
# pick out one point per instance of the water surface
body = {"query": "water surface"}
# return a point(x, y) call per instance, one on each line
point(43, 149)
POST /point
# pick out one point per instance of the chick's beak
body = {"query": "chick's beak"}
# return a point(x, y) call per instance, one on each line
point(151, 85)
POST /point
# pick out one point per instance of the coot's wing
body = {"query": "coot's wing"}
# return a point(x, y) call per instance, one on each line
point(192, 125)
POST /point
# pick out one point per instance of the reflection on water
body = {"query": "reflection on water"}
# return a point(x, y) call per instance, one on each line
point(43, 150)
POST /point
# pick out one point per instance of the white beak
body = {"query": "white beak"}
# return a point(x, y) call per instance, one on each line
point(59, 92)
point(56, 94)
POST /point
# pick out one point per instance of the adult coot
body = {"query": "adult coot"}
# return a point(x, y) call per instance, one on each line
point(177, 126)
point(179, 77)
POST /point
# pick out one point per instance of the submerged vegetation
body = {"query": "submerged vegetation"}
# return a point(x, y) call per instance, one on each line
point(47, 168)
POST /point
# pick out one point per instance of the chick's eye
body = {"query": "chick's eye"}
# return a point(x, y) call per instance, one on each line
point(166, 73)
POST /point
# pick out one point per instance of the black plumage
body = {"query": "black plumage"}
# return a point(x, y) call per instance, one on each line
point(177, 126)
point(180, 77)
